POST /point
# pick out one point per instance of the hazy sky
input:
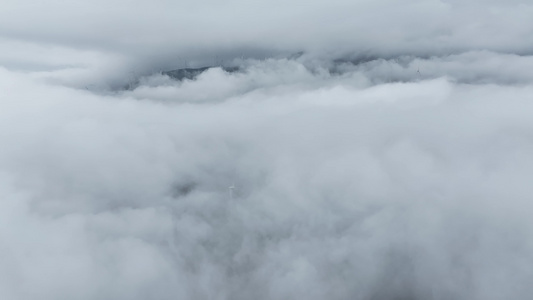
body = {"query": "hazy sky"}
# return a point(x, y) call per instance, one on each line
point(391, 160)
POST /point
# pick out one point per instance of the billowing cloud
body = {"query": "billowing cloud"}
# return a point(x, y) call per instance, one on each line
point(389, 159)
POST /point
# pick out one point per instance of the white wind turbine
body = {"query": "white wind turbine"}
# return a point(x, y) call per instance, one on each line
point(230, 189)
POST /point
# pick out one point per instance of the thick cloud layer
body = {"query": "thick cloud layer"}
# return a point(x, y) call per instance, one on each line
point(163, 33)
point(391, 159)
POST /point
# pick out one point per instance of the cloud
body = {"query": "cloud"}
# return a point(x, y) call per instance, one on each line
point(374, 150)
point(391, 190)
point(165, 32)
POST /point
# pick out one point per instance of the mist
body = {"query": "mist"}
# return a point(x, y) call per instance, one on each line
point(370, 150)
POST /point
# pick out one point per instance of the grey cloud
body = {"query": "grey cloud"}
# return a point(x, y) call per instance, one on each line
point(413, 190)
point(369, 150)
point(149, 30)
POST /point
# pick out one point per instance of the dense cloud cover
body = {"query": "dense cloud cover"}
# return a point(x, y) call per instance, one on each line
point(373, 150)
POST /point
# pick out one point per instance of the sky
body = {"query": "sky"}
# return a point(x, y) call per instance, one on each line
point(372, 150)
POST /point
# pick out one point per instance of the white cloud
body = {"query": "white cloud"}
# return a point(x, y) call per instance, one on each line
point(391, 160)
point(341, 190)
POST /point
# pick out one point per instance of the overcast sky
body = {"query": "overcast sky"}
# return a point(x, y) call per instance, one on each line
point(368, 150)
point(165, 31)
